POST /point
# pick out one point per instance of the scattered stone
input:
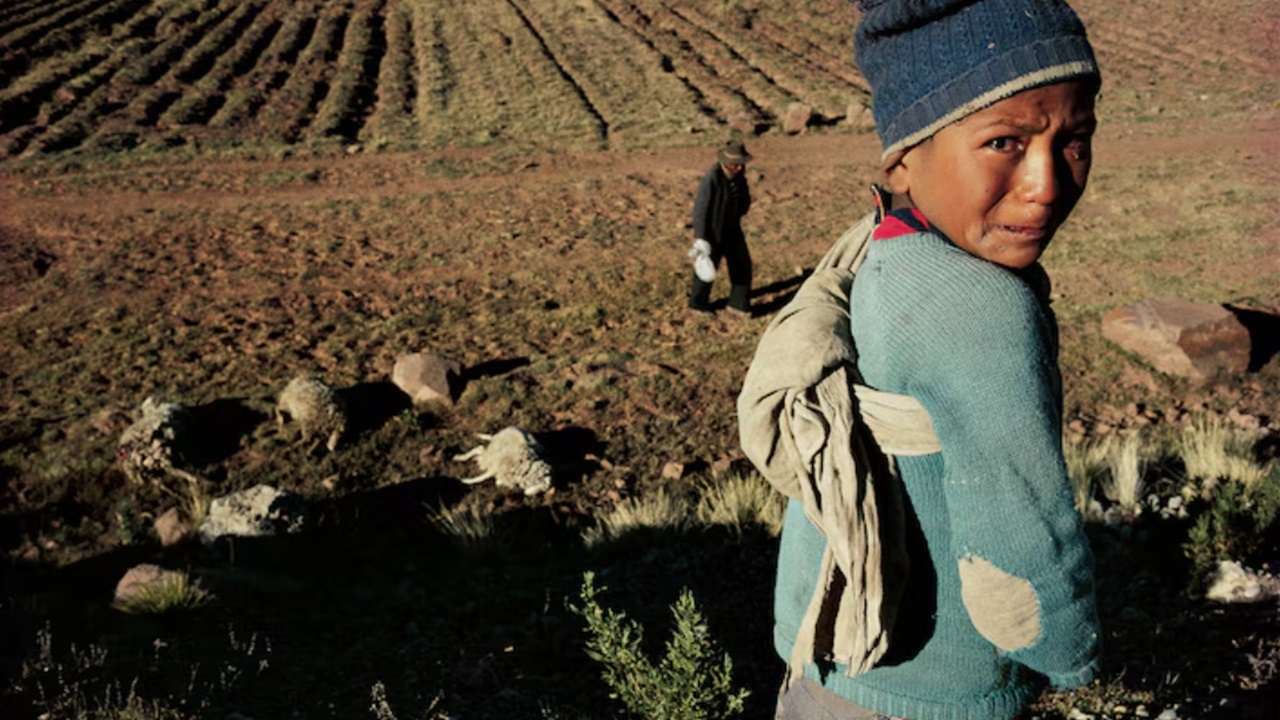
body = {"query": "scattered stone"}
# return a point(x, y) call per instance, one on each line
point(427, 378)
point(673, 470)
point(796, 118)
point(1077, 714)
point(1244, 421)
point(743, 122)
point(260, 511)
point(355, 149)
point(1232, 582)
point(139, 577)
point(1181, 338)
point(1169, 714)
point(171, 528)
point(721, 466)
point(858, 117)
point(109, 422)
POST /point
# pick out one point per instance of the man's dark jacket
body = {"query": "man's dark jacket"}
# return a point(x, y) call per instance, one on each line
point(720, 205)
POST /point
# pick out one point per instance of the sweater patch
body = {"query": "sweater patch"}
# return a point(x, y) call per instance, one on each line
point(903, 221)
point(1003, 607)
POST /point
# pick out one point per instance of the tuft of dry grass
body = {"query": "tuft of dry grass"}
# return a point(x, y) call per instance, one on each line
point(1126, 460)
point(657, 511)
point(1212, 451)
point(173, 593)
point(1086, 463)
point(469, 525)
point(741, 501)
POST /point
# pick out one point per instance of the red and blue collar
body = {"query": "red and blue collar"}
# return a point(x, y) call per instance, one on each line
point(903, 221)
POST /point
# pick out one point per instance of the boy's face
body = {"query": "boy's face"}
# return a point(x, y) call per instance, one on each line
point(1001, 181)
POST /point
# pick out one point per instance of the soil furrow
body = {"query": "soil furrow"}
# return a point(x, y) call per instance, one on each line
point(814, 56)
point(346, 108)
point(717, 96)
point(162, 68)
point(21, 14)
point(392, 117)
point(200, 60)
point(83, 79)
point(767, 100)
point(817, 91)
point(289, 112)
point(249, 93)
point(542, 39)
point(68, 30)
point(629, 18)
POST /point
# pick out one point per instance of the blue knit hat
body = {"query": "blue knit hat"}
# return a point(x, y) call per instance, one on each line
point(932, 62)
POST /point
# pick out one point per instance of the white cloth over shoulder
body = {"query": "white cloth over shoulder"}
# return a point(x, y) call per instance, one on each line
point(817, 434)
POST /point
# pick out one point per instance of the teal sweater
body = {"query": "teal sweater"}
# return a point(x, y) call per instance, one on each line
point(976, 346)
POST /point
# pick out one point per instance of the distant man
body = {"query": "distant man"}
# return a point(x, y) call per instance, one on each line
point(723, 198)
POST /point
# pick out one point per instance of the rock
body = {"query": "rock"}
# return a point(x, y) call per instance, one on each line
point(858, 117)
point(260, 511)
point(721, 466)
point(743, 122)
point(1231, 582)
point(171, 528)
point(796, 118)
point(673, 470)
point(1181, 338)
point(139, 577)
point(427, 378)
point(110, 422)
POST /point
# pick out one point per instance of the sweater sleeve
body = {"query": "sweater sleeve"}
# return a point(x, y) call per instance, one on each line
point(702, 209)
point(993, 393)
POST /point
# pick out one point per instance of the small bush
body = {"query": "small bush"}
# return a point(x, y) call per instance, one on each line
point(693, 681)
point(1236, 522)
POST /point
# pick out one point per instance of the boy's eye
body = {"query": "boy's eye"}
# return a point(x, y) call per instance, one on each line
point(1003, 144)
point(1078, 148)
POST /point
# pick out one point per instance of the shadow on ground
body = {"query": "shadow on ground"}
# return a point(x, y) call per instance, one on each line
point(305, 626)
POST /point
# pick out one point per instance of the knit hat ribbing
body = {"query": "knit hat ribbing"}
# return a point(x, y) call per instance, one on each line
point(932, 62)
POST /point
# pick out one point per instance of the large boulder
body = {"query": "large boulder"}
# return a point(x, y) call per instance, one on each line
point(427, 378)
point(1179, 337)
point(260, 511)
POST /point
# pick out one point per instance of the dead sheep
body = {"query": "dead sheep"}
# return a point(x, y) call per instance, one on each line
point(513, 458)
point(315, 407)
point(153, 446)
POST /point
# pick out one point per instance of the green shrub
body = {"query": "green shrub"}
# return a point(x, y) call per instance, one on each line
point(1235, 523)
point(693, 681)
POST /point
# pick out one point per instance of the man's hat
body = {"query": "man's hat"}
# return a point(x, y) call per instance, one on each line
point(733, 152)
